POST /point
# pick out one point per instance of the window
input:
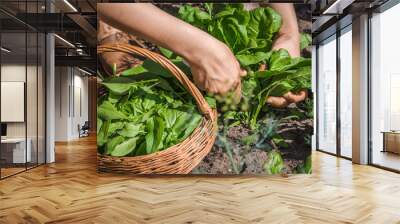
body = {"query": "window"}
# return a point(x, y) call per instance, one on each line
point(327, 95)
point(346, 92)
point(385, 89)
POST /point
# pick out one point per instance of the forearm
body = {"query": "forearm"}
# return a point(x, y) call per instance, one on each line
point(289, 19)
point(153, 24)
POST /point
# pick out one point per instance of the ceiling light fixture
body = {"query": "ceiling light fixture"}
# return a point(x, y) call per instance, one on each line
point(70, 5)
point(65, 41)
point(5, 50)
point(337, 7)
point(84, 71)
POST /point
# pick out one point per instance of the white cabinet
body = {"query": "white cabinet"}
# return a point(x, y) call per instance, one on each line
point(19, 155)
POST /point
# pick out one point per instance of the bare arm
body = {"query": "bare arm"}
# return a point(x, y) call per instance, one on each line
point(289, 36)
point(153, 24)
point(213, 65)
point(289, 39)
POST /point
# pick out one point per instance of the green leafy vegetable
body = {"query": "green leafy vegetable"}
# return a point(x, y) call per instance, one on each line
point(124, 148)
point(250, 34)
point(274, 163)
point(142, 114)
point(305, 40)
point(305, 167)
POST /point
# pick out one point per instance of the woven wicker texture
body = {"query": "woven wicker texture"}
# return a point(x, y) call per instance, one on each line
point(177, 159)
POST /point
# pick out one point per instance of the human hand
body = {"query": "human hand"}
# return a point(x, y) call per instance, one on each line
point(290, 42)
point(215, 68)
point(286, 99)
point(121, 61)
point(288, 37)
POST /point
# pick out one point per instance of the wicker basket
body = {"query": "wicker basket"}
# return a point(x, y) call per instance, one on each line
point(177, 159)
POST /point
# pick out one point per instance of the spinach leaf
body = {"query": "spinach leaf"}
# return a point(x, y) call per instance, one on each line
point(251, 59)
point(112, 143)
point(169, 116)
point(305, 40)
point(150, 138)
point(158, 134)
point(125, 147)
point(274, 164)
point(194, 15)
point(99, 124)
point(141, 150)
point(118, 88)
point(102, 134)
point(115, 126)
point(131, 130)
point(107, 111)
point(193, 124)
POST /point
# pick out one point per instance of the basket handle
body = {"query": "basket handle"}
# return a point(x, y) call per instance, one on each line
point(202, 104)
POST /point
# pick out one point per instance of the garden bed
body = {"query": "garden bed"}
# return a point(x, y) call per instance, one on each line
point(280, 140)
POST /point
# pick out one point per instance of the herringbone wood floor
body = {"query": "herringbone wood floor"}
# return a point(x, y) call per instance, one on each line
point(71, 191)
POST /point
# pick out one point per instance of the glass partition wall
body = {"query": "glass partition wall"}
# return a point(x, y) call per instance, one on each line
point(345, 92)
point(385, 89)
point(326, 94)
point(22, 77)
point(334, 94)
point(334, 90)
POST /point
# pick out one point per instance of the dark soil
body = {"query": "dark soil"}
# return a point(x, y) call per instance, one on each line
point(295, 134)
point(248, 159)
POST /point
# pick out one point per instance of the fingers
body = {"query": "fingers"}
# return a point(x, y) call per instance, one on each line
point(233, 81)
point(243, 73)
point(218, 76)
point(286, 99)
point(277, 101)
point(220, 84)
point(237, 95)
point(228, 86)
point(295, 97)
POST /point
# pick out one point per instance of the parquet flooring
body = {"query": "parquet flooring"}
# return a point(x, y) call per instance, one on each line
point(71, 191)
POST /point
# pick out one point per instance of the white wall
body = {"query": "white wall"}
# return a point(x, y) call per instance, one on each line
point(62, 81)
point(70, 83)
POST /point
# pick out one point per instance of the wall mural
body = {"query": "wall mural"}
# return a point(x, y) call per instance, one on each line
point(204, 88)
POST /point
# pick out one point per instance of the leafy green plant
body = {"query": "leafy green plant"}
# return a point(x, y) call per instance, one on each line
point(274, 163)
point(250, 34)
point(143, 111)
point(305, 167)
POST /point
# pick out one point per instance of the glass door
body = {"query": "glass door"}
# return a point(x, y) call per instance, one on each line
point(346, 73)
point(22, 90)
point(385, 89)
point(14, 155)
point(326, 95)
